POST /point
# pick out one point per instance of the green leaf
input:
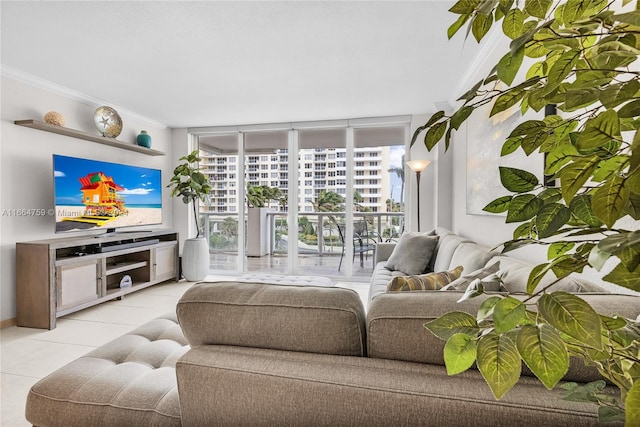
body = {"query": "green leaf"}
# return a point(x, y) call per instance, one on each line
point(551, 218)
point(459, 353)
point(523, 208)
point(575, 175)
point(578, 98)
point(523, 230)
point(616, 94)
point(599, 131)
point(481, 25)
point(453, 323)
point(536, 275)
point(529, 127)
point(501, 204)
point(544, 352)
point(581, 207)
point(561, 69)
point(559, 248)
point(460, 116)
point(609, 200)
point(434, 135)
point(463, 7)
point(453, 29)
point(486, 307)
point(632, 18)
point(630, 110)
point(573, 316)
point(632, 405)
point(550, 195)
point(509, 65)
point(531, 142)
point(513, 23)
point(625, 245)
point(632, 208)
point(610, 167)
point(538, 8)
point(507, 314)
point(499, 363)
point(517, 180)
point(558, 157)
point(509, 146)
point(625, 278)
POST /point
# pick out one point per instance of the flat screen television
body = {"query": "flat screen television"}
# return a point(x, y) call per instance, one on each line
point(92, 194)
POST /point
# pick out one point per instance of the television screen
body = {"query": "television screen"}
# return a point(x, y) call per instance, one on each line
point(91, 194)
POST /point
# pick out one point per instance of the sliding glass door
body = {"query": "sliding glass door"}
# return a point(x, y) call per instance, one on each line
point(303, 198)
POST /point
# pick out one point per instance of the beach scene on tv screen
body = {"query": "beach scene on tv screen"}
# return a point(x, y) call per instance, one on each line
point(91, 194)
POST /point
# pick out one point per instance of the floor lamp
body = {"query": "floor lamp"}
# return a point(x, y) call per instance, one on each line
point(418, 166)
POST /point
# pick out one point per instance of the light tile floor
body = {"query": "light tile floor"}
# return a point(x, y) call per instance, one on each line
point(27, 355)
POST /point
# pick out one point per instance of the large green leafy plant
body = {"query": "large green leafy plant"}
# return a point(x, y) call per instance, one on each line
point(580, 56)
point(189, 183)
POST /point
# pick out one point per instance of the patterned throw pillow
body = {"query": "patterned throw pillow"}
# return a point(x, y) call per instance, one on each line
point(424, 282)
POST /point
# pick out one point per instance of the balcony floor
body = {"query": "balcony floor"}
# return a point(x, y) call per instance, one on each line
point(308, 265)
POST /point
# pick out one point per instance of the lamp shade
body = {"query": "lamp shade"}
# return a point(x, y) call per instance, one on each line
point(418, 165)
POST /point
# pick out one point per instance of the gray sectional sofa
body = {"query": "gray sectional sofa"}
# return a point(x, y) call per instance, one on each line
point(267, 355)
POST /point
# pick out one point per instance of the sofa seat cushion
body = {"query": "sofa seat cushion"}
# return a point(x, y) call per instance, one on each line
point(380, 279)
point(314, 319)
point(128, 381)
point(235, 386)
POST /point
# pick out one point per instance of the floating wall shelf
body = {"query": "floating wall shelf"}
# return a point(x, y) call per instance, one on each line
point(35, 124)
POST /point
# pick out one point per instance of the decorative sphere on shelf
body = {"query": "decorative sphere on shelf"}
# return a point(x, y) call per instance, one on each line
point(54, 118)
point(144, 139)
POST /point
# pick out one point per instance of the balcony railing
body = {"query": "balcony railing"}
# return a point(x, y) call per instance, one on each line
point(317, 232)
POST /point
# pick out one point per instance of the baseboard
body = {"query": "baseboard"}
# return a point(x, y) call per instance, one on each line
point(8, 323)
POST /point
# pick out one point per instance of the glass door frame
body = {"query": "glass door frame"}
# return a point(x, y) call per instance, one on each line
point(293, 142)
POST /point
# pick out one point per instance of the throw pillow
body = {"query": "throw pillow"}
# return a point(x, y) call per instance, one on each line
point(412, 253)
point(424, 282)
point(492, 284)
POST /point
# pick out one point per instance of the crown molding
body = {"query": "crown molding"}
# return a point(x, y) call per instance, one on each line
point(49, 86)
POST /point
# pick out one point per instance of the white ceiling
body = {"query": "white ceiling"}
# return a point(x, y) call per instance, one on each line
point(207, 63)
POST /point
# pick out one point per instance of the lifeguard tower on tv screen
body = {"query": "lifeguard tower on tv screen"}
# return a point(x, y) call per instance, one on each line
point(100, 198)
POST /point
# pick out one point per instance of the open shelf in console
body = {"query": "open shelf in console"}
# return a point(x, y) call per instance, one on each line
point(56, 277)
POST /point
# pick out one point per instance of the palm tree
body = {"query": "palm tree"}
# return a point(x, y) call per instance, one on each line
point(399, 171)
point(328, 201)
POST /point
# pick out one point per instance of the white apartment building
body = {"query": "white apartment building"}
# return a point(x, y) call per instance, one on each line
point(319, 169)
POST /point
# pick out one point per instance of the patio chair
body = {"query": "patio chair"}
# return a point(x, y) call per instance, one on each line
point(362, 242)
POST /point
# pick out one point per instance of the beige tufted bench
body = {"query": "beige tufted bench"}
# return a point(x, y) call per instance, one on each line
point(281, 279)
point(130, 381)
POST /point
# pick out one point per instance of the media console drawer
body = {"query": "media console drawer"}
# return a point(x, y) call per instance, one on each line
point(60, 276)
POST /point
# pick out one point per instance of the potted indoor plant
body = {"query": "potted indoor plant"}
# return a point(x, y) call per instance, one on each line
point(189, 183)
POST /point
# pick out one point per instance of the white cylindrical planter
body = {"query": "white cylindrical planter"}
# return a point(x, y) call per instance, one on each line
point(195, 259)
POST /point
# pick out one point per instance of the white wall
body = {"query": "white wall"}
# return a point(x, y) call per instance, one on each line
point(26, 175)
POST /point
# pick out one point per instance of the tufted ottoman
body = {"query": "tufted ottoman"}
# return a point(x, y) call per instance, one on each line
point(281, 279)
point(130, 381)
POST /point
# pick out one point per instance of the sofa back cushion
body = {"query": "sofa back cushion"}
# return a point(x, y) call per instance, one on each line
point(447, 245)
point(515, 274)
point(471, 256)
point(295, 318)
point(395, 325)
